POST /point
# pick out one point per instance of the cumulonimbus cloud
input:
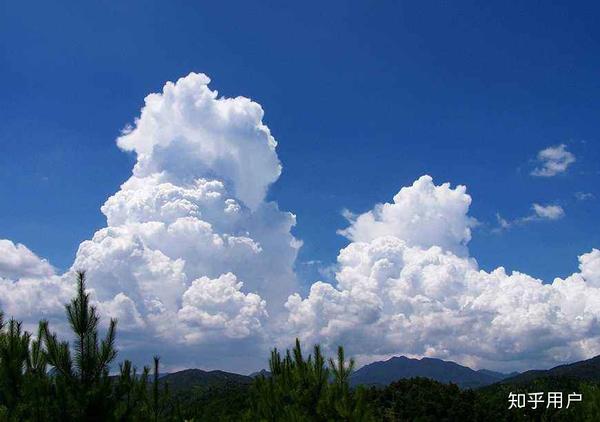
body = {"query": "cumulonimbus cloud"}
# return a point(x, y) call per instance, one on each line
point(198, 266)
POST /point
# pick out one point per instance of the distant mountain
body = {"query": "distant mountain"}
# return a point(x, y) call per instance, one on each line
point(396, 368)
point(497, 375)
point(587, 370)
point(189, 378)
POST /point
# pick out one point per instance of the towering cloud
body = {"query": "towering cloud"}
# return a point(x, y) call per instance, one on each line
point(192, 258)
point(191, 249)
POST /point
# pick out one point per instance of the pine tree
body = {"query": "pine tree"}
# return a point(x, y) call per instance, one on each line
point(349, 405)
point(83, 379)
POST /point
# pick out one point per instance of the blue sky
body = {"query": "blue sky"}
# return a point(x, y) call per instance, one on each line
point(362, 97)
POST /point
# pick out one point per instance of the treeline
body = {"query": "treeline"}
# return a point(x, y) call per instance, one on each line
point(46, 379)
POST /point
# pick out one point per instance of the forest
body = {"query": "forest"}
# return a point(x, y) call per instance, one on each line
point(44, 378)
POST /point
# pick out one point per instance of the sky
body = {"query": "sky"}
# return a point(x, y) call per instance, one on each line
point(361, 99)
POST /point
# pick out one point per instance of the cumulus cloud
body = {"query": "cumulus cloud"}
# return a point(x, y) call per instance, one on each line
point(395, 295)
point(422, 214)
point(29, 287)
point(552, 161)
point(218, 306)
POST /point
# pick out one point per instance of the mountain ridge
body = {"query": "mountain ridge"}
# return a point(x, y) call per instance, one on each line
point(588, 370)
point(401, 367)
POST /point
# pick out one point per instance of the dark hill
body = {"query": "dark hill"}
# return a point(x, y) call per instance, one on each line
point(396, 368)
point(190, 378)
point(585, 370)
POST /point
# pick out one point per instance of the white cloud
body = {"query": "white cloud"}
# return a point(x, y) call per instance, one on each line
point(548, 212)
point(32, 299)
point(29, 287)
point(122, 308)
point(187, 130)
point(218, 306)
point(422, 214)
point(395, 296)
point(539, 213)
point(17, 261)
point(552, 161)
point(589, 266)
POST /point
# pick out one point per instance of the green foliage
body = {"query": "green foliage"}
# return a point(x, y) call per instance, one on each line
point(24, 385)
point(132, 392)
point(14, 351)
point(589, 409)
point(423, 399)
point(223, 402)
